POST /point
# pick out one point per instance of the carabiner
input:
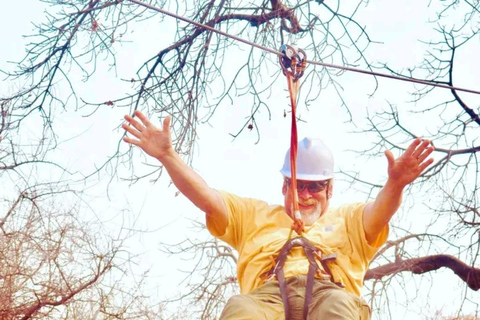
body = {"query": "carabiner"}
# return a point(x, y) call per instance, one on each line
point(293, 61)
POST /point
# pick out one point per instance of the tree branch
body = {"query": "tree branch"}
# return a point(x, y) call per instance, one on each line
point(469, 274)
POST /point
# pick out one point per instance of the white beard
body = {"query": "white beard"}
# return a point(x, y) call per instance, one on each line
point(309, 216)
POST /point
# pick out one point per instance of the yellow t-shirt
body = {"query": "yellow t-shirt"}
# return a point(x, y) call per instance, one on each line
point(258, 231)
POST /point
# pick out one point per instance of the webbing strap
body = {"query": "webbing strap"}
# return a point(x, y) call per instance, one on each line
point(293, 65)
point(283, 292)
point(313, 268)
point(312, 253)
point(309, 289)
point(298, 225)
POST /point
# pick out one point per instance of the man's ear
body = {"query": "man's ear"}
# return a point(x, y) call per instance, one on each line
point(330, 189)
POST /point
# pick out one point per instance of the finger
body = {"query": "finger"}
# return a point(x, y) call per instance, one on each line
point(166, 123)
point(134, 123)
point(424, 165)
point(390, 158)
point(421, 148)
point(132, 131)
point(411, 148)
point(131, 141)
point(425, 154)
point(142, 117)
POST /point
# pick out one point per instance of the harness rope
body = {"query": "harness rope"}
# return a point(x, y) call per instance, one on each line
point(293, 63)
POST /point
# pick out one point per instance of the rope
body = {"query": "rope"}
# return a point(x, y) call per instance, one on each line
point(323, 64)
point(293, 63)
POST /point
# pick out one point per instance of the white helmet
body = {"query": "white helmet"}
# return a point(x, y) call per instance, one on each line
point(314, 161)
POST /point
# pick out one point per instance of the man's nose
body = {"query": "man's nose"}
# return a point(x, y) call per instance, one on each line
point(304, 194)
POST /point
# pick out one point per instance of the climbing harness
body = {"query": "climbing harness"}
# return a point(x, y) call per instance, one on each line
point(293, 63)
point(312, 253)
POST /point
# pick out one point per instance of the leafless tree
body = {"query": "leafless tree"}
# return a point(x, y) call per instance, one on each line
point(54, 265)
point(56, 262)
point(195, 75)
point(190, 78)
point(449, 189)
point(439, 315)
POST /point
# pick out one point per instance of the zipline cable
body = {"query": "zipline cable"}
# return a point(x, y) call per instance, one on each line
point(323, 64)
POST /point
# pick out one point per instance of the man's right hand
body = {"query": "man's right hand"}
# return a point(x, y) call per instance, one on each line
point(158, 144)
point(154, 141)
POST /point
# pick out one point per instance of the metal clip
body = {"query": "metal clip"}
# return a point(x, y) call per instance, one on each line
point(293, 62)
point(301, 64)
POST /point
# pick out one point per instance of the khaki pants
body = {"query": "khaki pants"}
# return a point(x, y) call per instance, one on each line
point(265, 303)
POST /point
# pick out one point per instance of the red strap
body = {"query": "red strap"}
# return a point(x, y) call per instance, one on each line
point(293, 64)
point(298, 225)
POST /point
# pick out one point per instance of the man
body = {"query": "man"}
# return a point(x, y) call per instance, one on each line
point(343, 240)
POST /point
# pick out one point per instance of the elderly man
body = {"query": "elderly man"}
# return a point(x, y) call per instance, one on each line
point(322, 281)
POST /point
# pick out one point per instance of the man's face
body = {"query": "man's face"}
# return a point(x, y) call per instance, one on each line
point(313, 198)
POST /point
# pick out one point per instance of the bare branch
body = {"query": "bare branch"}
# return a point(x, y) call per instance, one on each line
point(469, 274)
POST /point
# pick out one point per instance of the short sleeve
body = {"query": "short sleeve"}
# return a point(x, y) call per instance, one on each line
point(356, 232)
point(237, 209)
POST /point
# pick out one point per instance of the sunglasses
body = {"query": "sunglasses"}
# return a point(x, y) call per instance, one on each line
point(312, 186)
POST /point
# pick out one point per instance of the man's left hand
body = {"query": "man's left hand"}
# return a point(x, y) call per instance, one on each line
point(408, 167)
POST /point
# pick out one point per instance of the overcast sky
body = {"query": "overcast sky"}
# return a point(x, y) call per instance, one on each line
point(241, 166)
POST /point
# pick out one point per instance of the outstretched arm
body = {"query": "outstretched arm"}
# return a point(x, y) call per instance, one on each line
point(157, 143)
point(401, 172)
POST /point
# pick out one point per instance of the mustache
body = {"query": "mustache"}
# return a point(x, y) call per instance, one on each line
point(310, 202)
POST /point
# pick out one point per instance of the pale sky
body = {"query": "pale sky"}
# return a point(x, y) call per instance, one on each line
point(239, 166)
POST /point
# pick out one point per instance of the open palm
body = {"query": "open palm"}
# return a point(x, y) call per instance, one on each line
point(408, 167)
point(154, 141)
